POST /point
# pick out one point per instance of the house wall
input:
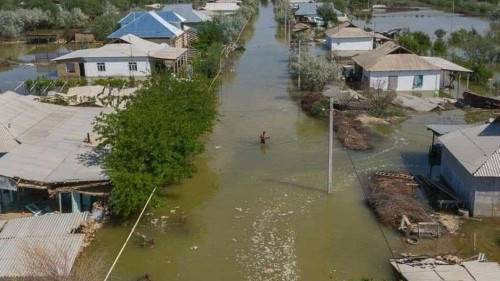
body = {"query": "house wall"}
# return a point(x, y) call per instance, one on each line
point(380, 79)
point(118, 68)
point(63, 72)
point(350, 44)
point(481, 195)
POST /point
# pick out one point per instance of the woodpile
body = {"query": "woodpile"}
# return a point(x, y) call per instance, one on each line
point(392, 195)
point(350, 131)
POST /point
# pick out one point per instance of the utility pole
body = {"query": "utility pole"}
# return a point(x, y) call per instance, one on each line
point(452, 15)
point(285, 25)
point(330, 149)
point(298, 81)
point(289, 33)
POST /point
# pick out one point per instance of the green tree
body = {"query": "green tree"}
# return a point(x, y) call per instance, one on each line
point(439, 48)
point(152, 143)
point(327, 12)
point(440, 33)
point(417, 42)
point(104, 25)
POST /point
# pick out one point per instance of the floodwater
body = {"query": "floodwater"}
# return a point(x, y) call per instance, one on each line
point(257, 212)
point(426, 20)
point(11, 77)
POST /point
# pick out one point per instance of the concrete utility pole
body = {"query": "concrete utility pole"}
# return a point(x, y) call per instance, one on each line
point(330, 149)
point(298, 82)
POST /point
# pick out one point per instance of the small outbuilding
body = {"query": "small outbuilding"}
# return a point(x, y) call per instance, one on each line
point(347, 37)
point(470, 164)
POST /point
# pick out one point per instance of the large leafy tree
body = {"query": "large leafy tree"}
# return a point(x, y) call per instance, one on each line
point(153, 141)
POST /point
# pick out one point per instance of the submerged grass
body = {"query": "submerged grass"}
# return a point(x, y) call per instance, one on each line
point(480, 115)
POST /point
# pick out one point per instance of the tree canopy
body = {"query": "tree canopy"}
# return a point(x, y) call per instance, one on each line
point(153, 141)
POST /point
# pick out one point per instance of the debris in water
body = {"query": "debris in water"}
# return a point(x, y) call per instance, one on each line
point(194, 247)
point(239, 209)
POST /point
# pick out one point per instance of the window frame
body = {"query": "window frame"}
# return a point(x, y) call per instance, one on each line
point(68, 70)
point(132, 66)
point(101, 66)
point(420, 80)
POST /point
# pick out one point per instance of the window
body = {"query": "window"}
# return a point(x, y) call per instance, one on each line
point(101, 66)
point(418, 80)
point(132, 66)
point(70, 67)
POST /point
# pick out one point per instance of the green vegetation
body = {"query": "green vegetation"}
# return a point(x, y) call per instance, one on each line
point(41, 84)
point(417, 42)
point(282, 10)
point(479, 115)
point(327, 12)
point(152, 143)
point(116, 82)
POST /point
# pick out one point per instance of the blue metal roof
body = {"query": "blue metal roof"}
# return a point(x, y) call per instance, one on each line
point(130, 18)
point(148, 25)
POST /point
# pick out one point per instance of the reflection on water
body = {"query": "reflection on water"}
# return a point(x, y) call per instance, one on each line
point(425, 20)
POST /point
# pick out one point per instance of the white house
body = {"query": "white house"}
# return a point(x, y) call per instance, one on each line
point(128, 56)
point(346, 37)
point(392, 67)
point(348, 40)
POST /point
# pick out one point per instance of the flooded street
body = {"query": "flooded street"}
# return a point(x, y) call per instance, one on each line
point(261, 213)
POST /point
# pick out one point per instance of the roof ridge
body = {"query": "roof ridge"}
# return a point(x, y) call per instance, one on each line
point(171, 27)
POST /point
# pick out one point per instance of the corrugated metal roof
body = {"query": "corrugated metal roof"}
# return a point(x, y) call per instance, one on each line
point(476, 148)
point(50, 236)
point(445, 129)
point(41, 226)
point(7, 140)
point(16, 258)
point(466, 271)
point(352, 32)
point(446, 64)
point(416, 103)
point(52, 140)
point(148, 25)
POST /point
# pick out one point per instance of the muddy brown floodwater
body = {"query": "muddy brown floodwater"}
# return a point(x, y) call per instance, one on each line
point(261, 213)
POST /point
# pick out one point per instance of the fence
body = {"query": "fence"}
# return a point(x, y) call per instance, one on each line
point(45, 57)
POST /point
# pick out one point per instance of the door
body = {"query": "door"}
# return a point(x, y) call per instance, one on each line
point(82, 69)
point(393, 83)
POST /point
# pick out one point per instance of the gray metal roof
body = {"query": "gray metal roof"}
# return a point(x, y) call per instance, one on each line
point(52, 141)
point(445, 129)
point(25, 241)
point(310, 9)
point(466, 271)
point(40, 226)
point(186, 11)
point(476, 148)
point(446, 64)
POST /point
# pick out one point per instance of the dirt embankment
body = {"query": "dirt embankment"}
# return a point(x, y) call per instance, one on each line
point(350, 130)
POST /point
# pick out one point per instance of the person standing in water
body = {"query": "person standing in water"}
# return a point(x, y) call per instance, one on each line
point(264, 137)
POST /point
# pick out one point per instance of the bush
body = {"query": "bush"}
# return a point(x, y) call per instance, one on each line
point(315, 72)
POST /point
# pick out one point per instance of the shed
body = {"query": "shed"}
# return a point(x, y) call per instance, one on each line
point(51, 237)
point(449, 72)
point(470, 164)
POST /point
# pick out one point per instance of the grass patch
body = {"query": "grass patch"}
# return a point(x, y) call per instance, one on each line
point(474, 115)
